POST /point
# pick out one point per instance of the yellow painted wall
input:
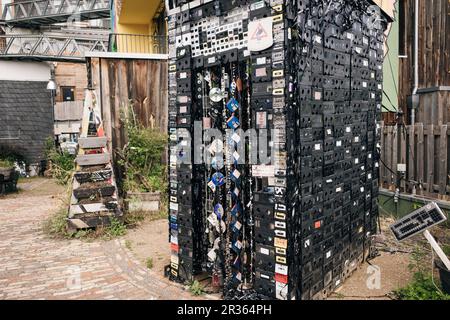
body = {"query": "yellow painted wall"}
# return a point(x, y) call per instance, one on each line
point(138, 11)
point(136, 18)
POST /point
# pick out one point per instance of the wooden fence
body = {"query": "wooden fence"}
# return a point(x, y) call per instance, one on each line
point(123, 82)
point(424, 149)
point(69, 111)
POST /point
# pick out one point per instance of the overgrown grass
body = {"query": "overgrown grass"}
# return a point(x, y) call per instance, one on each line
point(135, 218)
point(116, 229)
point(141, 157)
point(446, 249)
point(421, 288)
point(62, 163)
point(56, 227)
point(423, 285)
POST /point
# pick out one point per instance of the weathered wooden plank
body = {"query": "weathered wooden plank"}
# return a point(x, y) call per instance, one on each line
point(430, 159)
point(402, 153)
point(443, 161)
point(93, 159)
point(92, 142)
point(420, 152)
point(87, 208)
point(388, 162)
point(383, 152)
point(97, 176)
point(395, 152)
point(411, 154)
point(106, 102)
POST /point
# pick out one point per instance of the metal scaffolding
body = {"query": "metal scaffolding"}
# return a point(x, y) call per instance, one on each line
point(50, 47)
point(47, 12)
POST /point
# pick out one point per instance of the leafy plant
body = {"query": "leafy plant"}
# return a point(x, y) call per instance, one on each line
point(62, 163)
point(142, 155)
point(149, 263)
point(6, 163)
point(196, 288)
point(422, 287)
point(116, 228)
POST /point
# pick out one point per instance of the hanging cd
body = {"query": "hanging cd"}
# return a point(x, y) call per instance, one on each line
point(216, 146)
point(222, 228)
point(217, 163)
point(236, 210)
point(233, 123)
point(218, 179)
point(233, 105)
point(216, 95)
point(218, 210)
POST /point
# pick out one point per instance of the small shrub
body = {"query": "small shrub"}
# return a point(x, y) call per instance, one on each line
point(62, 163)
point(141, 157)
point(196, 288)
point(149, 263)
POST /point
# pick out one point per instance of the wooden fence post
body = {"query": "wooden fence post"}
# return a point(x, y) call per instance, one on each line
point(443, 162)
point(420, 154)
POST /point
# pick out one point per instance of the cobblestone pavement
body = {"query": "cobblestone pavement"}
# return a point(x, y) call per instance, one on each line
point(33, 266)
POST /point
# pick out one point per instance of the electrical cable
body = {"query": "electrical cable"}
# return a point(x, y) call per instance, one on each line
point(432, 271)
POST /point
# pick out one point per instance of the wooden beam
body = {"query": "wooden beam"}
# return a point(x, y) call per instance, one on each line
point(93, 159)
point(443, 161)
point(420, 153)
point(92, 143)
point(430, 159)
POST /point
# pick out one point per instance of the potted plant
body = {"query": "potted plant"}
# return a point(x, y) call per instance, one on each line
point(8, 176)
point(6, 168)
point(144, 173)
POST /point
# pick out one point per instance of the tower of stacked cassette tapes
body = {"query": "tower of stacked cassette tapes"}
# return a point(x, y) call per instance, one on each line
point(273, 142)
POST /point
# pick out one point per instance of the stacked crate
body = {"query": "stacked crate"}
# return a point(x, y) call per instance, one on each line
point(307, 75)
point(94, 201)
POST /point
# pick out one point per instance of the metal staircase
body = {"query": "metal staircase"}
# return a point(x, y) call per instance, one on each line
point(31, 14)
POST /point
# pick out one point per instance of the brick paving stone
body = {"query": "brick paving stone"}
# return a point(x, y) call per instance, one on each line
point(33, 266)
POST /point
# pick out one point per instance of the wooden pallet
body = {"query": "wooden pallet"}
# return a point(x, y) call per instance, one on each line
point(95, 176)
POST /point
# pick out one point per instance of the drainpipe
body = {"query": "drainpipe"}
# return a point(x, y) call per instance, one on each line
point(416, 60)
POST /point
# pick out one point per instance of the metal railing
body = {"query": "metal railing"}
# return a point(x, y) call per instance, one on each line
point(136, 43)
point(49, 47)
point(54, 11)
